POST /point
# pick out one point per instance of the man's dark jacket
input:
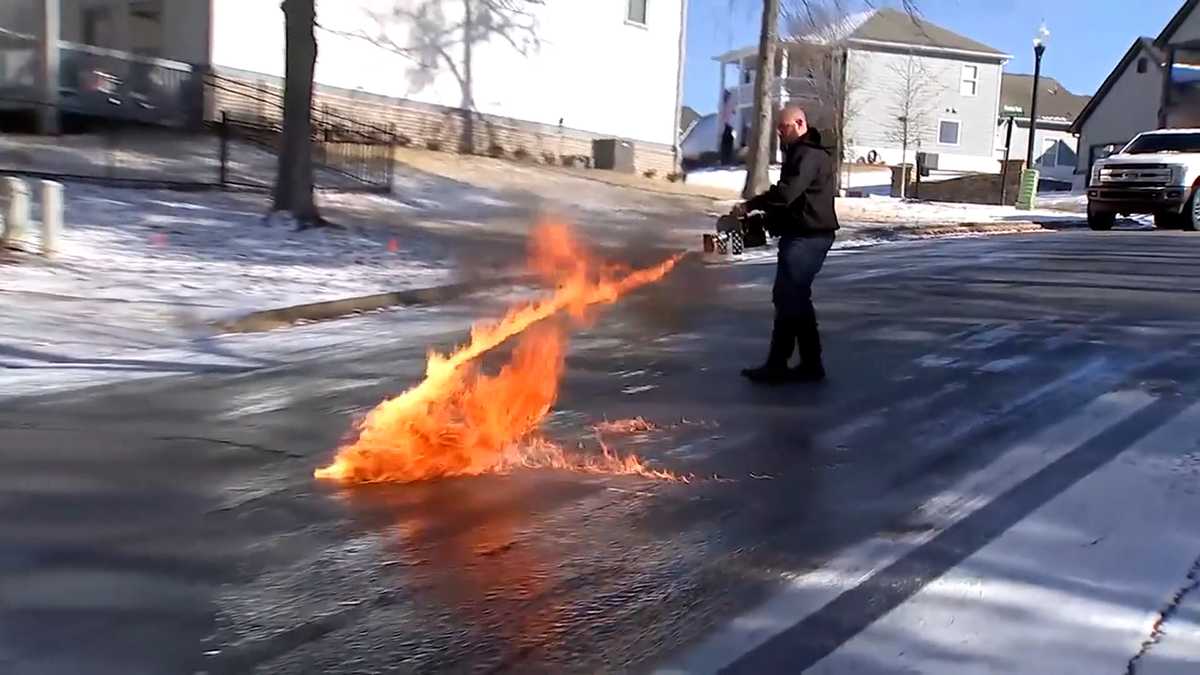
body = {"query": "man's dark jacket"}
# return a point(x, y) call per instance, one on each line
point(801, 203)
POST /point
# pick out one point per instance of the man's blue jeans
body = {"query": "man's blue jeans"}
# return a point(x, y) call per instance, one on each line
point(800, 259)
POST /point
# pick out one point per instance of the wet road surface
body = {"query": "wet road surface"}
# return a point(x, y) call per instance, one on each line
point(173, 525)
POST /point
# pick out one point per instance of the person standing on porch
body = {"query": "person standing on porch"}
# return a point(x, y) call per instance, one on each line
point(727, 115)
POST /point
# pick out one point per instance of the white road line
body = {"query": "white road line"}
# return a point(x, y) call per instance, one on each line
point(1072, 589)
point(807, 593)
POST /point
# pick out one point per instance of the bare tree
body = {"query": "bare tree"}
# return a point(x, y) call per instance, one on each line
point(294, 177)
point(913, 102)
point(814, 12)
point(822, 77)
point(758, 160)
point(424, 32)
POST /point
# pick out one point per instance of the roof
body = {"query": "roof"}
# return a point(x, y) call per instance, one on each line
point(1176, 21)
point(893, 25)
point(1157, 132)
point(887, 26)
point(1054, 100)
point(1139, 46)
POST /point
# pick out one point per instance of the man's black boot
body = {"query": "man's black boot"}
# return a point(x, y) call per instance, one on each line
point(808, 341)
point(775, 370)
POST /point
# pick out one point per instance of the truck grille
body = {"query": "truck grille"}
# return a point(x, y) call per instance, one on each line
point(1140, 175)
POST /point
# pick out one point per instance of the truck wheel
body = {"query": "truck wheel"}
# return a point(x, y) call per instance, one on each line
point(1101, 221)
point(1190, 219)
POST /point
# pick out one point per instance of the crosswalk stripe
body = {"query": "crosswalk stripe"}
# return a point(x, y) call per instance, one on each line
point(1147, 541)
point(807, 593)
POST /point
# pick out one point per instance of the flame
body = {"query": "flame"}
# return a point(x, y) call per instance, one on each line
point(636, 425)
point(459, 421)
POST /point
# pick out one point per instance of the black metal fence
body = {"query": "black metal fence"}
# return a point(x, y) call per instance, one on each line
point(347, 153)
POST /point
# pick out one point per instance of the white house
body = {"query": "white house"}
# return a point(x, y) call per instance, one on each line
point(548, 77)
point(895, 78)
point(1130, 100)
point(1054, 146)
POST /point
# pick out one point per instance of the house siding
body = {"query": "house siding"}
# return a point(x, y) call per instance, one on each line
point(1188, 30)
point(18, 16)
point(1129, 108)
point(876, 98)
point(574, 75)
point(251, 95)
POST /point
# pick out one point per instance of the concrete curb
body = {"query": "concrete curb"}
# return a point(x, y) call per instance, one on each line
point(334, 309)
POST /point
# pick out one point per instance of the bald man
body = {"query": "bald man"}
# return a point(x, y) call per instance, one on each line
point(800, 211)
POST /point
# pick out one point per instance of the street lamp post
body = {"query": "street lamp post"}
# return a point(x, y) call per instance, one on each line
point(1029, 177)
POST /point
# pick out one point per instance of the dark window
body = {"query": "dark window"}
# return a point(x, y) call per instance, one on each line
point(637, 11)
point(1152, 143)
point(97, 27)
point(948, 132)
point(1143, 64)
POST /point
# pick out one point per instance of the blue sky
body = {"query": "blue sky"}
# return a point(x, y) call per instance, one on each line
point(1087, 39)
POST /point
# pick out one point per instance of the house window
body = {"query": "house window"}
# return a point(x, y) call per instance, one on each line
point(1142, 65)
point(145, 27)
point(637, 12)
point(97, 27)
point(948, 132)
point(969, 86)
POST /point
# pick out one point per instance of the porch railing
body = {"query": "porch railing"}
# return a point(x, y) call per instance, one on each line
point(102, 83)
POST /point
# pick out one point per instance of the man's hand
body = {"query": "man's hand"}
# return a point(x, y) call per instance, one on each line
point(738, 210)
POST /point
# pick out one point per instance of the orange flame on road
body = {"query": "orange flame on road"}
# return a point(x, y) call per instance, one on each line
point(459, 421)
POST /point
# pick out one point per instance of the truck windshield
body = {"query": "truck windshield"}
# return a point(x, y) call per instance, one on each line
point(1153, 143)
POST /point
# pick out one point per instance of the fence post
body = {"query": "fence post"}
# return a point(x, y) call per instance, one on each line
point(224, 150)
point(52, 216)
point(389, 166)
point(16, 211)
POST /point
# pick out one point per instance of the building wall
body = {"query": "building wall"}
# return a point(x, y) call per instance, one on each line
point(1189, 29)
point(877, 97)
point(1129, 108)
point(590, 70)
point(1054, 150)
point(18, 16)
point(181, 34)
point(240, 93)
point(187, 29)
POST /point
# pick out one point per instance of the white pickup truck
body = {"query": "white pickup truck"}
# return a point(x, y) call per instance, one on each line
point(1158, 172)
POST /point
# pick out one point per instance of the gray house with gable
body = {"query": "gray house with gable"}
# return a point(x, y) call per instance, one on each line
point(893, 78)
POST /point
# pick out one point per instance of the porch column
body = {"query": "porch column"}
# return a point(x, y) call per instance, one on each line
point(46, 79)
point(721, 93)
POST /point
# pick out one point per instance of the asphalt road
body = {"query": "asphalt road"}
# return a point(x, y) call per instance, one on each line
point(172, 525)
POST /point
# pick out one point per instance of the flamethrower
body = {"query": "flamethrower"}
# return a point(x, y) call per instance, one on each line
point(735, 235)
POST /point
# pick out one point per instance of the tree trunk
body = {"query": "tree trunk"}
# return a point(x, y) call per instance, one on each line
point(467, 142)
point(294, 178)
point(758, 176)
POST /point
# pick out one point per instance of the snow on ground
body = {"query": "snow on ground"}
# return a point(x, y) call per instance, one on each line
point(214, 252)
point(1064, 201)
point(897, 211)
point(142, 273)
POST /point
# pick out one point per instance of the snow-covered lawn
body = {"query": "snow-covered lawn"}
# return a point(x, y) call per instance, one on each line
point(143, 273)
point(895, 210)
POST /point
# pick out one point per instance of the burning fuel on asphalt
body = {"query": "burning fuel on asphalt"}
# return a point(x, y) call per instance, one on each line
point(460, 421)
